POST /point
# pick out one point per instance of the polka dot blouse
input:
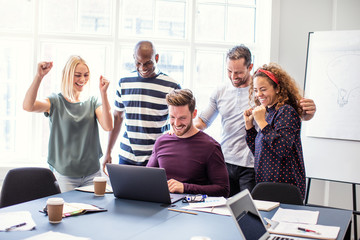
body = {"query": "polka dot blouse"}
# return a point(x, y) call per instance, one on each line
point(277, 148)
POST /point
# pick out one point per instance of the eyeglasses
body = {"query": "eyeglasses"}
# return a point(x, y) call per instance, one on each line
point(194, 198)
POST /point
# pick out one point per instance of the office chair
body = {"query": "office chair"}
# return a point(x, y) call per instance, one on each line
point(277, 192)
point(26, 184)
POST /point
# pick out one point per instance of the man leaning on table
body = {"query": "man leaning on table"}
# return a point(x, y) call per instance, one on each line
point(193, 161)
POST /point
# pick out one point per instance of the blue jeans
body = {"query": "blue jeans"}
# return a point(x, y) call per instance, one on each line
point(69, 183)
point(240, 178)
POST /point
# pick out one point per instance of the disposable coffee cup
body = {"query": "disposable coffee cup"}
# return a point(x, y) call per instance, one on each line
point(199, 238)
point(55, 209)
point(99, 186)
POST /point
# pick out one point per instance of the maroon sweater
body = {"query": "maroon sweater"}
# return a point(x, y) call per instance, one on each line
point(196, 161)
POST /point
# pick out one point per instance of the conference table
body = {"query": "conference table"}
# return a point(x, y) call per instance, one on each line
point(130, 219)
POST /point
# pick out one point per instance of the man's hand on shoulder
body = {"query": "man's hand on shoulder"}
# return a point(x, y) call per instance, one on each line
point(175, 186)
point(199, 123)
point(171, 131)
point(309, 108)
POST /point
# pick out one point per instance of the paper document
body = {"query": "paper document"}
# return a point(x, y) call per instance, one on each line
point(90, 188)
point(209, 202)
point(296, 216)
point(312, 231)
point(16, 221)
point(266, 205)
point(221, 210)
point(216, 205)
point(55, 236)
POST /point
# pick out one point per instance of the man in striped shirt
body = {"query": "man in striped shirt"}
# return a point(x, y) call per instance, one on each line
point(140, 102)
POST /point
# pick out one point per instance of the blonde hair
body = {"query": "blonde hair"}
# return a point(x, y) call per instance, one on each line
point(67, 81)
point(288, 92)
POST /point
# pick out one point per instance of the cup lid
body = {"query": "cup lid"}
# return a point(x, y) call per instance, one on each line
point(99, 179)
point(55, 201)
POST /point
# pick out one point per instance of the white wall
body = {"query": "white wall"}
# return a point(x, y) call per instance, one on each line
point(292, 20)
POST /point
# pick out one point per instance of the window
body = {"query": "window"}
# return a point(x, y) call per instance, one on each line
point(191, 36)
point(153, 18)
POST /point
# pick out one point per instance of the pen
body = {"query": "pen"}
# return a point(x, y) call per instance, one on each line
point(307, 230)
point(15, 226)
point(182, 211)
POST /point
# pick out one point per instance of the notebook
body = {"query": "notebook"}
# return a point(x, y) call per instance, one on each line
point(248, 219)
point(141, 183)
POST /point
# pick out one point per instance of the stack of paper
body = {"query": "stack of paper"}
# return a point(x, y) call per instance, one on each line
point(296, 216)
point(216, 205)
point(308, 230)
point(55, 235)
point(302, 223)
point(16, 221)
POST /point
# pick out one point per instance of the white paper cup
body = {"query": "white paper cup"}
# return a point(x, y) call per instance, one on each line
point(55, 209)
point(99, 186)
point(199, 238)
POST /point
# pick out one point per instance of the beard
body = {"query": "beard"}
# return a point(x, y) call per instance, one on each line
point(239, 81)
point(183, 131)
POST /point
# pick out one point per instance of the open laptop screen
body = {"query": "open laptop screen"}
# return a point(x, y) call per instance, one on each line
point(141, 183)
point(250, 225)
point(247, 217)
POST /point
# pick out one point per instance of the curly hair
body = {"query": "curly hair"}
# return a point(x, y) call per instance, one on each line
point(289, 92)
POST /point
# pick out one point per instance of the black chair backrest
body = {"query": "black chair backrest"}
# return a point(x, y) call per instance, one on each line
point(26, 184)
point(277, 192)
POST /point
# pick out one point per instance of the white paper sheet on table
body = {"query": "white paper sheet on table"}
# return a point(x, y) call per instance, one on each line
point(291, 229)
point(221, 210)
point(209, 202)
point(217, 205)
point(9, 219)
point(296, 216)
point(55, 236)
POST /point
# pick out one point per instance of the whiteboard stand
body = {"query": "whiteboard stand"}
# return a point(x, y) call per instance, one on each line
point(355, 211)
point(331, 54)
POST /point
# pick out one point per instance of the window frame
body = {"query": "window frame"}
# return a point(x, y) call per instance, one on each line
point(115, 41)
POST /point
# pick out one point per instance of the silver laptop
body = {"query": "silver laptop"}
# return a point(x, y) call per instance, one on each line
point(141, 183)
point(248, 220)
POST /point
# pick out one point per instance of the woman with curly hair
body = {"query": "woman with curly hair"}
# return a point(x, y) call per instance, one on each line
point(277, 144)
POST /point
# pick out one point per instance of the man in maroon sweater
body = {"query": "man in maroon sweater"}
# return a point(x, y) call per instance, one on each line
point(193, 161)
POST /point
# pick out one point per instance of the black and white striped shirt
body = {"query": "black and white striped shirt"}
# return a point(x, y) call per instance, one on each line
point(145, 114)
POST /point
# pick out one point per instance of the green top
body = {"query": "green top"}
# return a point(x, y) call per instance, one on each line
point(74, 143)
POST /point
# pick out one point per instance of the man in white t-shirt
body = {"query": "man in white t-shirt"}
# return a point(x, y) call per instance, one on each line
point(230, 101)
